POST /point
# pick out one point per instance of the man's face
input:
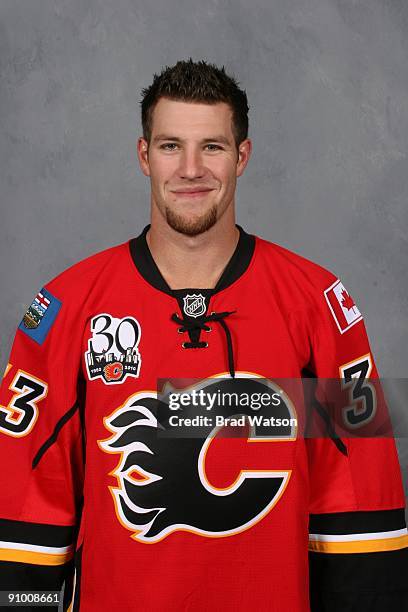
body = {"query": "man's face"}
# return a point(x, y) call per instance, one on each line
point(193, 163)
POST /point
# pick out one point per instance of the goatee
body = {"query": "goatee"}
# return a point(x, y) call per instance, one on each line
point(191, 227)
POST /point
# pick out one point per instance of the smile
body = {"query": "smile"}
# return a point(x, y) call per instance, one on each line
point(192, 194)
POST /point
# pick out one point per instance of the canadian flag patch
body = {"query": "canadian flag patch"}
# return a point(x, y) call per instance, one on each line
point(342, 306)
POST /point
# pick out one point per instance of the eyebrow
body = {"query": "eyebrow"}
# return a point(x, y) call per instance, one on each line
point(218, 138)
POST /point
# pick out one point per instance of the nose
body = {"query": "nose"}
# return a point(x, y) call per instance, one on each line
point(191, 164)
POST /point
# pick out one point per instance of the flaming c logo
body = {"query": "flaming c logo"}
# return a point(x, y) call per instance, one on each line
point(162, 485)
point(113, 371)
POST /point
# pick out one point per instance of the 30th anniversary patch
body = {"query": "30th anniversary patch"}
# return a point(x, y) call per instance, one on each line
point(113, 352)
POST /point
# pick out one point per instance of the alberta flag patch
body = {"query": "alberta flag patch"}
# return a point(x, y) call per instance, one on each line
point(342, 306)
point(40, 316)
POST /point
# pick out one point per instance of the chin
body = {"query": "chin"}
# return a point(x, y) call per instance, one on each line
point(191, 225)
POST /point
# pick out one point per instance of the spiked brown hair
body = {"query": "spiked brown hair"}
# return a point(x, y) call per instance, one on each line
point(190, 81)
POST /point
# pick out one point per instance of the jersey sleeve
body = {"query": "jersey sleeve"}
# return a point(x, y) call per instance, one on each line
point(41, 448)
point(358, 555)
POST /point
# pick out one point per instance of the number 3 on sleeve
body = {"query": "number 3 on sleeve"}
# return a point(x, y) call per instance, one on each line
point(19, 416)
point(362, 401)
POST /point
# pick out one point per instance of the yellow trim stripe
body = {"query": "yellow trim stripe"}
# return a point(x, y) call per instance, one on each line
point(70, 609)
point(35, 558)
point(360, 546)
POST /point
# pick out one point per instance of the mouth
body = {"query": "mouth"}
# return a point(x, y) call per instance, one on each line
point(197, 193)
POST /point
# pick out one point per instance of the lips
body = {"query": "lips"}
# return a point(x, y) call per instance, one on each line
point(197, 190)
point(192, 193)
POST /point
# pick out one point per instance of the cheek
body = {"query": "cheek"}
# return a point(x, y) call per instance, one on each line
point(223, 167)
point(226, 175)
point(161, 170)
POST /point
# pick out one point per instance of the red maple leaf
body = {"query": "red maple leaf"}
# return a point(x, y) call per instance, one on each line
point(346, 300)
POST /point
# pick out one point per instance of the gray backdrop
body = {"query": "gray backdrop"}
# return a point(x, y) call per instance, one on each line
point(328, 87)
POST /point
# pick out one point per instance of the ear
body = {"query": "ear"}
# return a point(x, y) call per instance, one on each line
point(244, 153)
point(143, 155)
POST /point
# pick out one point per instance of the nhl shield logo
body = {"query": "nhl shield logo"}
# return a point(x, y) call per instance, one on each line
point(194, 305)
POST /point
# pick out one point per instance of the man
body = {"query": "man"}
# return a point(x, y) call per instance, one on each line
point(174, 522)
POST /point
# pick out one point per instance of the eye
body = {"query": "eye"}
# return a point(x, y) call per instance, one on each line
point(213, 147)
point(168, 146)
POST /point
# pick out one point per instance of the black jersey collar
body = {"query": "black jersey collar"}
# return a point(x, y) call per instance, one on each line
point(148, 269)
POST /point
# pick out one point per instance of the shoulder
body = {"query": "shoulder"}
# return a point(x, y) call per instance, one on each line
point(59, 308)
point(304, 286)
point(292, 268)
point(81, 277)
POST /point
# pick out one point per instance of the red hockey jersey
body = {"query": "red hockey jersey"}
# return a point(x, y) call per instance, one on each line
point(93, 495)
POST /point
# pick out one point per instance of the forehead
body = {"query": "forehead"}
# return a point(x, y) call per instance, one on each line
point(178, 118)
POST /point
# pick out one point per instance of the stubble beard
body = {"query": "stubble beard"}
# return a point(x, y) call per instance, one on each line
point(191, 227)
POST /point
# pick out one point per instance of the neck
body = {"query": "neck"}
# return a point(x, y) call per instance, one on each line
point(193, 261)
